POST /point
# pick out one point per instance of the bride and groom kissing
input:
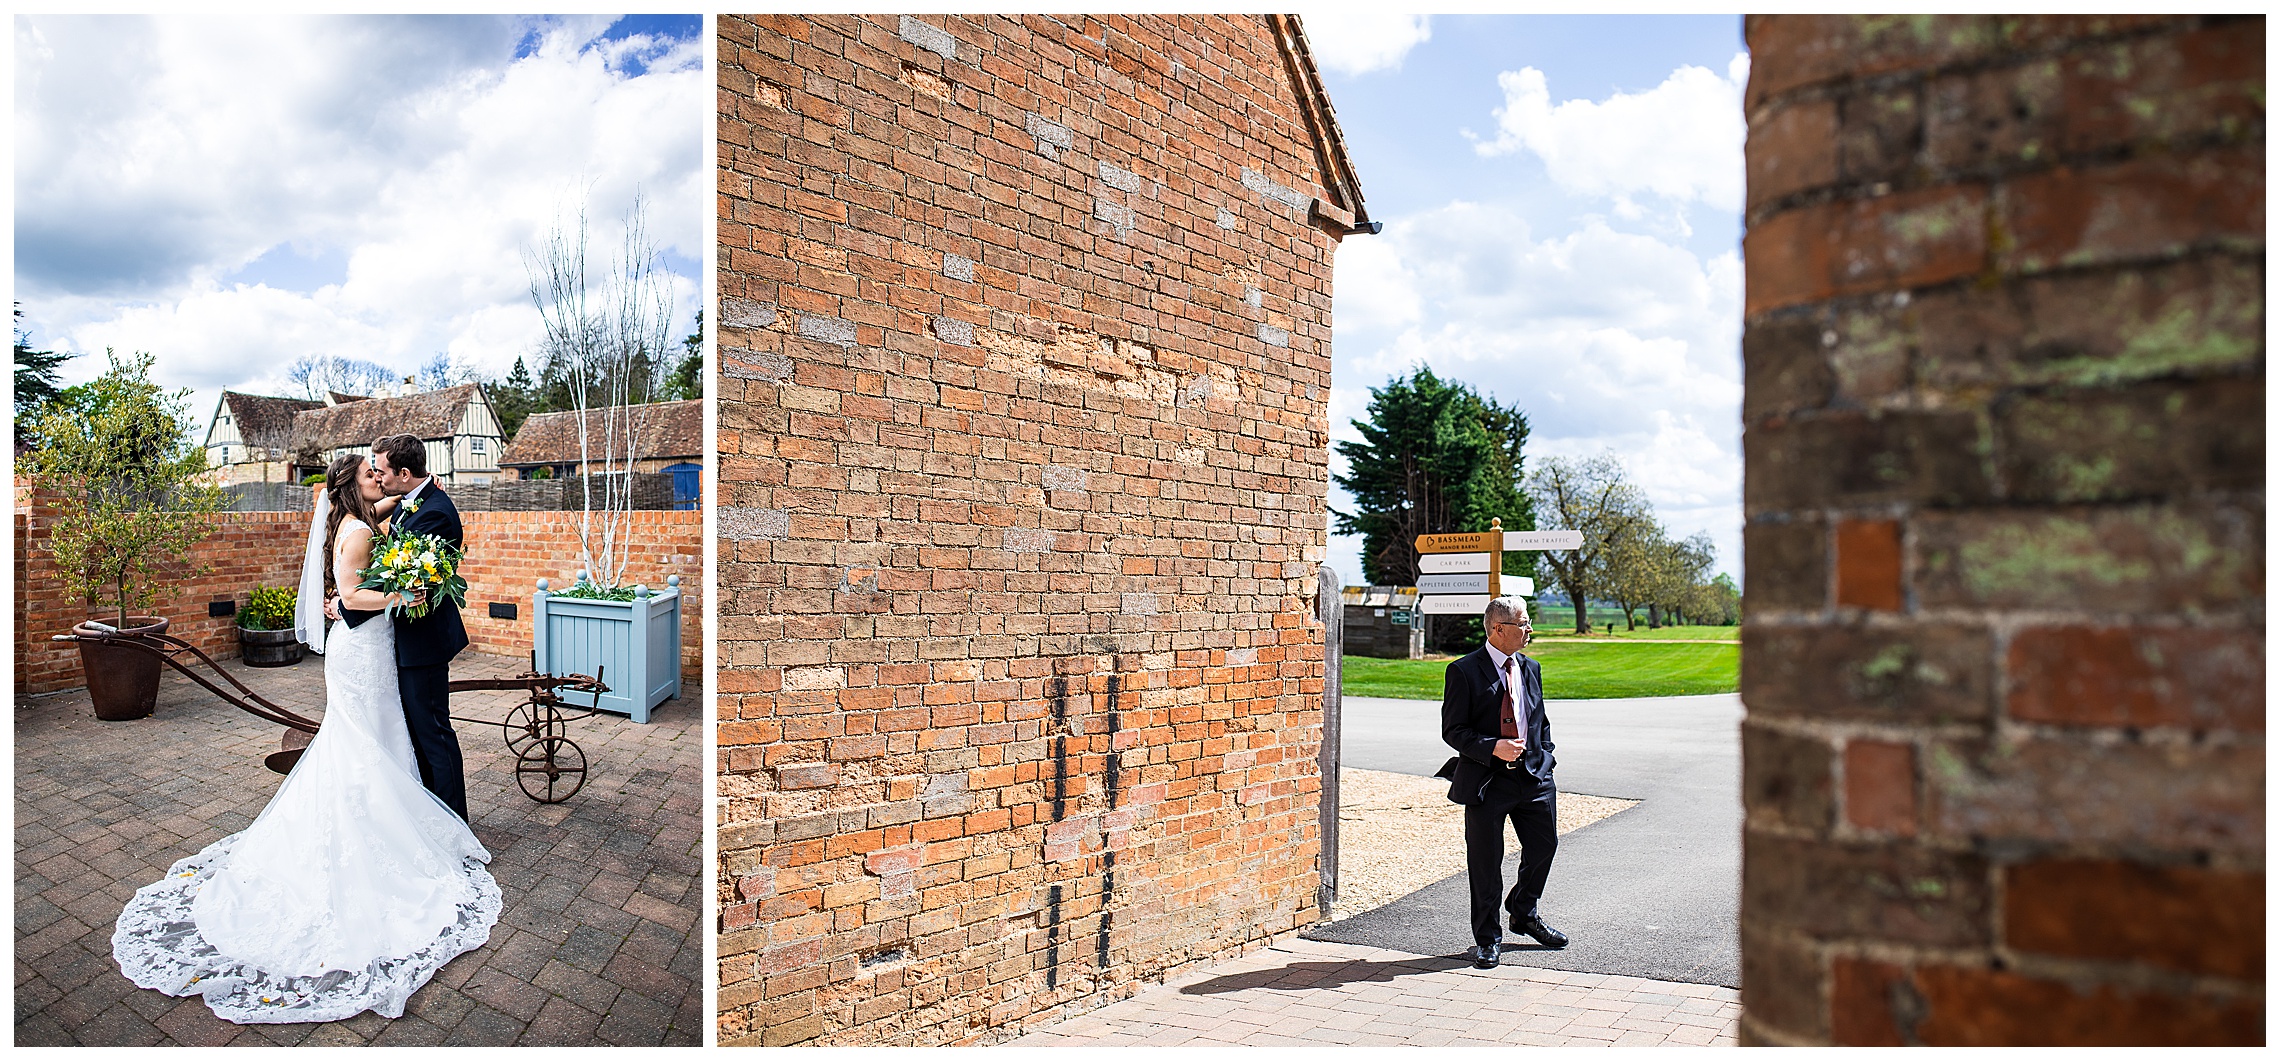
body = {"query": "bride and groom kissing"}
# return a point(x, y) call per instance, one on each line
point(361, 877)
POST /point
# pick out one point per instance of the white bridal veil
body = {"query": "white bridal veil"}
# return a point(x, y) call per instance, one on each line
point(309, 605)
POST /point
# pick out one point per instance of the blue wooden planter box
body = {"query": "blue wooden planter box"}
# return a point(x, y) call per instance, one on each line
point(633, 646)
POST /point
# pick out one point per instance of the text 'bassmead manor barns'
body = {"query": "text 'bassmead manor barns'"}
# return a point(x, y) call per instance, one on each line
point(1025, 364)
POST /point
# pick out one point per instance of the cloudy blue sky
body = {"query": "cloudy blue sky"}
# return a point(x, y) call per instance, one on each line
point(1562, 199)
point(230, 194)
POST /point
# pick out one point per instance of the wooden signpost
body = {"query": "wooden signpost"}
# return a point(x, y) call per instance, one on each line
point(1459, 573)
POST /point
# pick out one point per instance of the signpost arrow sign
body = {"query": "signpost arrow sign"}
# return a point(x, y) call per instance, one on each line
point(1539, 541)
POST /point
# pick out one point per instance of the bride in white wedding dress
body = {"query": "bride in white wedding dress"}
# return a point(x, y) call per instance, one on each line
point(355, 884)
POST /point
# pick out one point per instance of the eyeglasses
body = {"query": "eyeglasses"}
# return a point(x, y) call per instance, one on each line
point(1507, 622)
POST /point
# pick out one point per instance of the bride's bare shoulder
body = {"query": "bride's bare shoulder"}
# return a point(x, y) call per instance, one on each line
point(354, 534)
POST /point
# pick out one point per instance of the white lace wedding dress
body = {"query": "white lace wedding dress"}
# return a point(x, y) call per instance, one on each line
point(348, 892)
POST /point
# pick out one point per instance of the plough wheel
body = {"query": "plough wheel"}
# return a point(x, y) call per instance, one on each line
point(551, 769)
point(530, 723)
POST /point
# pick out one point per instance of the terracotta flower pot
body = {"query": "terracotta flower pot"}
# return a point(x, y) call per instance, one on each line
point(122, 681)
point(269, 648)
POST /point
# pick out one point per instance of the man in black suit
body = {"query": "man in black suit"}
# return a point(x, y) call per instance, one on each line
point(426, 645)
point(1492, 713)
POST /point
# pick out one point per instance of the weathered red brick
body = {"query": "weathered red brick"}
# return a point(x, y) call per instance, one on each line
point(1880, 786)
point(2181, 917)
point(1868, 565)
point(2144, 676)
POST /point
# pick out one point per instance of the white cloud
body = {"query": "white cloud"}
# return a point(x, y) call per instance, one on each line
point(1607, 340)
point(1354, 41)
point(1681, 140)
point(405, 162)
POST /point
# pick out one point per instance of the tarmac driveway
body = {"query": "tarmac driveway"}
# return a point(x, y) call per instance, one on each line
point(1653, 892)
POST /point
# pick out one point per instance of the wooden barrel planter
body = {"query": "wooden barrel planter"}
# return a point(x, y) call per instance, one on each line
point(269, 648)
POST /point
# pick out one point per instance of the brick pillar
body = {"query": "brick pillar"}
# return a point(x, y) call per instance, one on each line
point(2004, 436)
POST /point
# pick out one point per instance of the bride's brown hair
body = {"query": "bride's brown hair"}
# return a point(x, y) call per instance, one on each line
point(347, 497)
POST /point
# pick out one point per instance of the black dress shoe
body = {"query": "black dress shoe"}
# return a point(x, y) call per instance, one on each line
point(1485, 957)
point(1534, 928)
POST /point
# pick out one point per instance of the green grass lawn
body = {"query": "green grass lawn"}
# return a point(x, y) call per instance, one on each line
point(1558, 620)
point(1579, 671)
point(1669, 633)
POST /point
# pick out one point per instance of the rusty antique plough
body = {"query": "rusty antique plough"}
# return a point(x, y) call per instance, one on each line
point(549, 766)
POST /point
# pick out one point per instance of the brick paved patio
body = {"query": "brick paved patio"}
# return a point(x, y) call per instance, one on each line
point(600, 943)
point(1309, 993)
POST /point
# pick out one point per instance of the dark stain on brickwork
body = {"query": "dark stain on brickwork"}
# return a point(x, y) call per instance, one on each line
point(1109, 780)
point(1060, 687)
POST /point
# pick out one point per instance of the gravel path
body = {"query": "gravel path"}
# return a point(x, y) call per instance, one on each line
point(1398, 833)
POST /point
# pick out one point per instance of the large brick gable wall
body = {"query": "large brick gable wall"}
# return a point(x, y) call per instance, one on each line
point(2004, 437)
point(1025, 360)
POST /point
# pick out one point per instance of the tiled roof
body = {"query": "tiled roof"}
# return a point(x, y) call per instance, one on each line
point(265, 421)
point(431, 415)
point(666, 429)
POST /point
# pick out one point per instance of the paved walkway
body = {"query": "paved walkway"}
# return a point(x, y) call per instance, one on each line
point(1310, 993)
point(601, 941)
point(1653, 892)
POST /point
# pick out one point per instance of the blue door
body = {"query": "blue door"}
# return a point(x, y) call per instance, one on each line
point(686, 484)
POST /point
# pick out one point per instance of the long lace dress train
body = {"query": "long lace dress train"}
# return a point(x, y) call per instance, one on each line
point(348, 892)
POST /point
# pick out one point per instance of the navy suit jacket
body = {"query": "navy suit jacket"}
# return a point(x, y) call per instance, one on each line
point(439, 635)
point(1472, 714)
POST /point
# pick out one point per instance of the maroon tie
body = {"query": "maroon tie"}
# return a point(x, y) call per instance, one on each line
point(1511, 724)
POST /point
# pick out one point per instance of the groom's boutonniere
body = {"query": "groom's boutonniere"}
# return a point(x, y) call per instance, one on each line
point(411, 505)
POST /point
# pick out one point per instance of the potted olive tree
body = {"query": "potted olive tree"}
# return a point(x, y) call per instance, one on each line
point(129, 498)
point(266, 637)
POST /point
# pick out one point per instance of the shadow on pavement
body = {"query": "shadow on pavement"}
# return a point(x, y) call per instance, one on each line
point(1314, 976)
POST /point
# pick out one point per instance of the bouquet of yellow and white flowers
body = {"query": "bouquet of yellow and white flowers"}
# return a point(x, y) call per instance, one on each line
point(406, 563)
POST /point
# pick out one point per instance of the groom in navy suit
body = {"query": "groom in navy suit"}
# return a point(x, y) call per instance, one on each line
point(425, 646)
point(1492, 714)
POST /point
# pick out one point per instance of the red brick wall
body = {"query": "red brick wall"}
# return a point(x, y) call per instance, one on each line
point(1022, 429)
point(246, 549)
point(508, 552)
point(2004, 658)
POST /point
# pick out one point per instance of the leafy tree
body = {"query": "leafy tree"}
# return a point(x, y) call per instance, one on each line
point(1685, 591)
point(37, 381)
point(1595, 497)
point(1725, 600)
point(130, 490)
point(688, 380)
point(1639, 568)
point(513, 398)
point(1436, 457)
